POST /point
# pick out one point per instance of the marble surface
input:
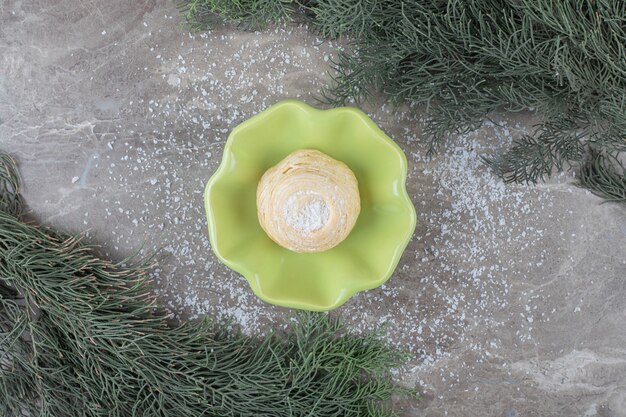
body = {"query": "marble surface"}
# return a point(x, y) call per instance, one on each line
point(511, 299)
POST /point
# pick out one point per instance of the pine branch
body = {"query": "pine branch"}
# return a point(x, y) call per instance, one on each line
point(532, 158)
point(81, 336)
point(460, 60)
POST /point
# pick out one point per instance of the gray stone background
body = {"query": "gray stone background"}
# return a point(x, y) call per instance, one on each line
point(510, 298)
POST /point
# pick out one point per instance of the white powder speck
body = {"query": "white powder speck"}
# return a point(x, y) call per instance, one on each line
point(458, 275)
point(173, 80)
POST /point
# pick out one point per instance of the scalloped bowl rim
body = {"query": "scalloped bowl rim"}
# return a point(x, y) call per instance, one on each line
point(236, 266)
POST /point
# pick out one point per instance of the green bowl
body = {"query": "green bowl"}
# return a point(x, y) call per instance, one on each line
point(310, 281)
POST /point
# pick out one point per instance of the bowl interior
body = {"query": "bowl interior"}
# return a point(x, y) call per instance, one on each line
point(323, 280)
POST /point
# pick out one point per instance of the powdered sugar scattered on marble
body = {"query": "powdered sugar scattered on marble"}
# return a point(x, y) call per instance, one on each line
point(459, 270)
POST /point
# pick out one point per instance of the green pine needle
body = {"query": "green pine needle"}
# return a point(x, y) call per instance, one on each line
point(10, 186)
point(81, 336)
point(247, 14)
point(604, 175)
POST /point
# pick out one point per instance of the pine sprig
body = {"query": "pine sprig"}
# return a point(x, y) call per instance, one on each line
point(605, 176)
point(247, 14)
point(11, 200)
point(82, 336)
